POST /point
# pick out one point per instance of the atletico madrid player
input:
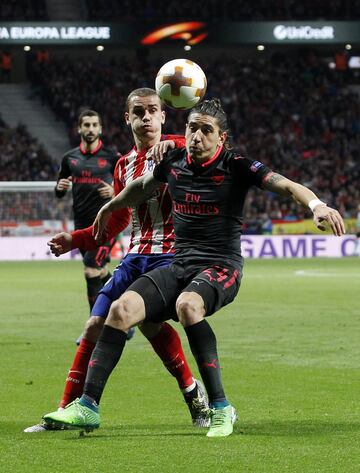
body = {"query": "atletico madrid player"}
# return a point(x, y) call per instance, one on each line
point(151, 246)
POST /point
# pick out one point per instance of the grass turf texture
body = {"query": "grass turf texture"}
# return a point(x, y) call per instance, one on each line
point(289, 348)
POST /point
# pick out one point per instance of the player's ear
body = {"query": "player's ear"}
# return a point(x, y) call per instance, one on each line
point(222, 138)
point(126, 116)
point(163, 116)
point(100, 130)
point(79, 130)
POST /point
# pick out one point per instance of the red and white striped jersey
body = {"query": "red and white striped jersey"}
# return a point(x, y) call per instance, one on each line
point(152, 225)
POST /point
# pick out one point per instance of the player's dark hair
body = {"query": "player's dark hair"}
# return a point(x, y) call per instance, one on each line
point(88, 113)
point(213, 108)
point(142, 92)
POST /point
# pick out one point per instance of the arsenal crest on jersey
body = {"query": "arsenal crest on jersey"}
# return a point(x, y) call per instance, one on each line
point(102, 162)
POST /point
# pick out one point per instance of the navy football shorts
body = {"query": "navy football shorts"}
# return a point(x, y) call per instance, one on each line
point(216, 283)
point(130, 269)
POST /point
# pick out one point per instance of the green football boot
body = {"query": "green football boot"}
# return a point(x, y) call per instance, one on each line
point(74, 416)
point(222, 421)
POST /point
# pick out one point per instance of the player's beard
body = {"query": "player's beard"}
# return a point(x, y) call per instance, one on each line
point(89, 138)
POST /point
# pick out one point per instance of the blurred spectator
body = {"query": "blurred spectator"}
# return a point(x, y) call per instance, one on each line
point(6, 66)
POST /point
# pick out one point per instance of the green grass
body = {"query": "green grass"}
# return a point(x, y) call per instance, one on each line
point(290, 353)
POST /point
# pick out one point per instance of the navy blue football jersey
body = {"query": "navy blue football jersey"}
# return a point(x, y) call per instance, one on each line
point(208, 201)
point(87, 170)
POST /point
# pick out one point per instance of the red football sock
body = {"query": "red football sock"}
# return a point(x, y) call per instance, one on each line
point(76, 377)
point(167, 345)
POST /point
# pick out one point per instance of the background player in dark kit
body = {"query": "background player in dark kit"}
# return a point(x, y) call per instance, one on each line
point(90, 168)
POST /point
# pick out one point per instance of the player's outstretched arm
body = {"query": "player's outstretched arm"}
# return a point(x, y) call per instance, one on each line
point(322, 213)
point(60, 243)
point(134, 194)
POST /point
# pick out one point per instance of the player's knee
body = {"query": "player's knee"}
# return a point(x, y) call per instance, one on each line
point(127, 311)
point(190, 308)
point(93, 328)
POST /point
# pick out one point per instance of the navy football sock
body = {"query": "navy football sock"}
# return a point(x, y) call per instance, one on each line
point(202, 342)
point(104, 358)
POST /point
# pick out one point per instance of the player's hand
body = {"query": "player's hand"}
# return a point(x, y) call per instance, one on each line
point(156, 153)
point(64, 184)
point(106, 191)
point(60, 243)
point(323, 213)
point(100, 223)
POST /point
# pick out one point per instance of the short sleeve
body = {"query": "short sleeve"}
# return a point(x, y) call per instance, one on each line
point(251, 171)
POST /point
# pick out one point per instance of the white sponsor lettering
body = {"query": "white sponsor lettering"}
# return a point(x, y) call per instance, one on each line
point(303, 32)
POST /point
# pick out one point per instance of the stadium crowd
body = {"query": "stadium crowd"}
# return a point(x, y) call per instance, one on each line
point(292, 112)
point(23, 10)
point(215, 10)
point(23, 158)
point(208, 10)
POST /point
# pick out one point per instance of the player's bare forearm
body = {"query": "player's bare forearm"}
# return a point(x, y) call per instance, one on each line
point(303, 195)
point(279, 184)
point(135, 193)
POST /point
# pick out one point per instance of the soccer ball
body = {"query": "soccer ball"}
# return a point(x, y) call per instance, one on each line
point(180, 84)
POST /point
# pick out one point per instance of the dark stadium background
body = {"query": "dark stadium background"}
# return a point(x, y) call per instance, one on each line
point(293, 105)
point(289, 343)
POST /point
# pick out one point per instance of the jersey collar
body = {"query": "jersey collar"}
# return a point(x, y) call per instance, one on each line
point(206, 163)
point(94, 151)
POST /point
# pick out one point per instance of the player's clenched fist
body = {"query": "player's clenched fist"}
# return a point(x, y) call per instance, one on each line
point(60, 243)
point(64, 184)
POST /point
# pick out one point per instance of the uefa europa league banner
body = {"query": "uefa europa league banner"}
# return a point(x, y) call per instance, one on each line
point(188, 33)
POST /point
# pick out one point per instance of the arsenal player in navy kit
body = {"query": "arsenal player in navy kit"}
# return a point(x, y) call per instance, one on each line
point(208, 185)
point(90, 168)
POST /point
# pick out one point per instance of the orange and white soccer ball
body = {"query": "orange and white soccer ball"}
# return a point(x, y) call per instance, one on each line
point(181, 84)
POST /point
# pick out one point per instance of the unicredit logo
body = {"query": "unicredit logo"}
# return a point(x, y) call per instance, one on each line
point(305, 32)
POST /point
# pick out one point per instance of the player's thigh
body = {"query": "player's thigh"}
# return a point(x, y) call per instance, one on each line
point(124, 275)
point(217, 285)
point(159, 290)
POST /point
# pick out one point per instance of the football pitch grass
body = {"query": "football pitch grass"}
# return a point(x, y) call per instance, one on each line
point(290, 354)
